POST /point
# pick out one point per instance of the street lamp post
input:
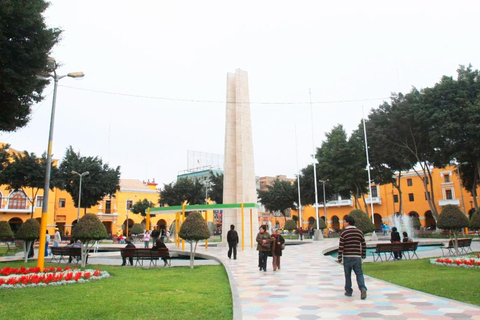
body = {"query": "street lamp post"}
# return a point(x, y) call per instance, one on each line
point(317, 235)
point(52, 65)
point(324, 202)
point(81, 175)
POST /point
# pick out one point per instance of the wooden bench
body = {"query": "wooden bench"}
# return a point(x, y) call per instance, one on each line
point(464, 247)
point(146, 254)
point(13, 247)
point(62, 253)
point(408, 249)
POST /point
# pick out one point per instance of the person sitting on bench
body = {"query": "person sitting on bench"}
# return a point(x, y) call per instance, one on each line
point(160, 245)
point(130, 259)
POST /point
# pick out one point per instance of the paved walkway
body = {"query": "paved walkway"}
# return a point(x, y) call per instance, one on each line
point(310, 286)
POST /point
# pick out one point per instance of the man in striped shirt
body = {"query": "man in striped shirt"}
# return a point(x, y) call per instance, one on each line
point(352, 249)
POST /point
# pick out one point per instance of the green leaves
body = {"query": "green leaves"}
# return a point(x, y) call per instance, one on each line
point(29, 231)
point(475, 221)
point(141, 206)
point(5, 230)
point(362, 221)
point(280, 196)
point(183, 189)
point(452, 218)
point(89, 228)
point(194, 228)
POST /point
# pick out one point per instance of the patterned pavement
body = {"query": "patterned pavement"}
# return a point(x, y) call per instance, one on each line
point(310, 286)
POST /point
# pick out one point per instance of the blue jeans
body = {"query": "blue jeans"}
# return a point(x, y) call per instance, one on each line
point(354, 264)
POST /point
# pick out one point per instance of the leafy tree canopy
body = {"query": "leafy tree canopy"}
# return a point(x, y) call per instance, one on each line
point(216, 189)
point(25, 43)
point(29, 230)
point(475, 221)
point(141, 206)
point(101, 181)
point(136, 229)
point(362, 221)
point(194, 228)
point(175, 193)
point(89, 228)
point(280, 196)
point(452, 218)
point(5, 230)
point(290, 225)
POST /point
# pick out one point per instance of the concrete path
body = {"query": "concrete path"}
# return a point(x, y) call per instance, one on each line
point(310, 286)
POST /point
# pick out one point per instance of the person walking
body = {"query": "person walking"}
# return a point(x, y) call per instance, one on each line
point(277, 248)
point(264, 241)
point(352, 249)
point(232, 239)
point(395, 238)
point(57, 238)
point(155, 234)
point(47, 241)
point(146, 238)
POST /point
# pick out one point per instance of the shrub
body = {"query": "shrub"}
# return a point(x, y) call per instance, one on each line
point(362, 221)
point(28, 231)
point(475, 220)
point(88, 230)
point(5, 230)
point(290, 225)
point(193, 229)
point(415, 223)
point(452, 218)
point(136, 229)
point(321, 224)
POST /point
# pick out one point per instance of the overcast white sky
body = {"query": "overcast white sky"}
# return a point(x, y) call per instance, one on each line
point(145, 61)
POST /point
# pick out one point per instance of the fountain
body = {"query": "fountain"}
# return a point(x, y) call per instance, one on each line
point(404, 223)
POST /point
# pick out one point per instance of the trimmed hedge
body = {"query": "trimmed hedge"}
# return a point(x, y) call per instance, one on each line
point(28, 231)
point(452, 218)
point(290, 225)
point(475, 221)
point(362, 221)
point(137, 229)
point(89, 228)
point(194, 228)
point(5, 230)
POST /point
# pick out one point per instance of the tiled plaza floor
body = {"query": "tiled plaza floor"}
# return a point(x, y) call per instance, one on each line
point(310, 286)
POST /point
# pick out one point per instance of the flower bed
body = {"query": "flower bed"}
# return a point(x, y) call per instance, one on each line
point(465, 261)
point(22, 277)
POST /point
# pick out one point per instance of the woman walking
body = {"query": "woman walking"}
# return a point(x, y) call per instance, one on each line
point(277, 245)
point(264, 241)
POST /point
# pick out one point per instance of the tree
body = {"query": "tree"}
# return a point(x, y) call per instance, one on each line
point(216, 187)
point(452, 218)
point(475, 221)
point(141, 206)
point(192, 230)
point(183, 189)
point(136, 229)
point(27, 171)
point(5, 231)
point(4, 160)
point(25, 43)
point(321, 224)
point(290, 225)
point(29, 231)
point(88, 230)
point(101, 181)
point(362, 221)
point(280, 196)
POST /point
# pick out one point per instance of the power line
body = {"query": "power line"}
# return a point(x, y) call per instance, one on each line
point(221, 101)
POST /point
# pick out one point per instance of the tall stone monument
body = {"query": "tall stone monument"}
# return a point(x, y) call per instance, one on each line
point(239, 174)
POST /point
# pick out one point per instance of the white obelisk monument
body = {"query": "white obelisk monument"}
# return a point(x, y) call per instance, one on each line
point(239, 175)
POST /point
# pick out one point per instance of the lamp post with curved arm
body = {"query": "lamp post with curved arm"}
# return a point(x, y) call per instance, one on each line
point(52, 65)
point(81, 175)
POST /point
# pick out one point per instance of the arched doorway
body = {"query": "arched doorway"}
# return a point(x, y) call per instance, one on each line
point(378, 220)
point(108, 227)
point(430, 223)
point(15, 223)
point(335, 223)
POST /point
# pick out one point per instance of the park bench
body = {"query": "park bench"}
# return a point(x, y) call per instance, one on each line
point(145, 254)
point(13, 247)
point(408, 249)
point(464, 246)
point(63, 253)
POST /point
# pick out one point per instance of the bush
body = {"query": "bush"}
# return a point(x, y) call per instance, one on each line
point(452, 218)
point(290, 225)
point(28, 231)
point(362, 221)
point(5, 230)
point(321, 224)
point(194, 228)
point(475, 220)
point(415, 223)
point(89, 228)
point(137, 229)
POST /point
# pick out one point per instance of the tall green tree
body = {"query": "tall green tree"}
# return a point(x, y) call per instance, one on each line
point(183, 189)
point(25, 42)
point(216, 187)
point(27, 171)
point(101, 181)
point(141, 207)
point(280, 196)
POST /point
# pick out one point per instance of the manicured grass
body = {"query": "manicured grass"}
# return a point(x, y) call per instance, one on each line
point(455, 283)
point(131, 293)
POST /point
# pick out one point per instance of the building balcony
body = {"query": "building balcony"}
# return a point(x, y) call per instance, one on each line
point(336, 203)
point(374, 200)
point(445, 202)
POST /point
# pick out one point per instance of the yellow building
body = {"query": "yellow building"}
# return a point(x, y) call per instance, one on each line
point(447, 189)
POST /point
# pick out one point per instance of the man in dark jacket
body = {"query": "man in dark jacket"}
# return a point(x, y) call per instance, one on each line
point(232, 239)
point(130, 259)
point(352, 249)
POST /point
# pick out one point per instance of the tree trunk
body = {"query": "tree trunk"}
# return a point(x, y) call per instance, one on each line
point(428, 192)
point(26, 249)
point(85, 249)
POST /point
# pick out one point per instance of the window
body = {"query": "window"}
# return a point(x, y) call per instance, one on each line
point(446, 177)
point(395, 198)
point(108, 206)
point(61, 203)
point(39, 203)
point(411, 198)
point(129, 204)
point(409, 182)
point(17, 200)
point(374, 192)
point(448, 194)
point(427, 195)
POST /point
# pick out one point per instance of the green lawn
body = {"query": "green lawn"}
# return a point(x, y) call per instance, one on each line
point(131, 293)
point(455, 283)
